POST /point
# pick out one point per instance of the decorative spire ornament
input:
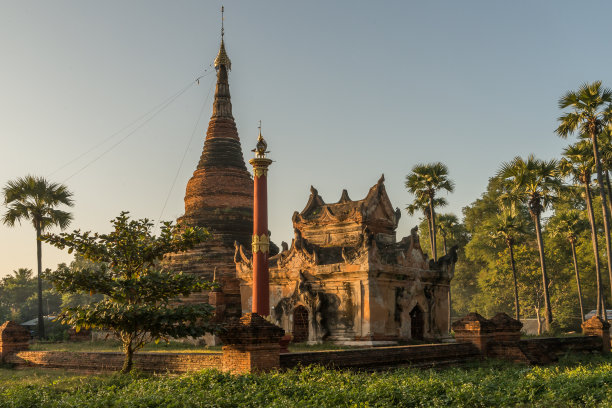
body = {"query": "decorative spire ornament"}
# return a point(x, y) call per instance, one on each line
point(222, 58)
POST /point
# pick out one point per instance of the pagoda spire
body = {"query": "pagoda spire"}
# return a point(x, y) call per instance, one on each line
point(222, 145)
point(222, 106)
point(218, 197)
point(221, 179)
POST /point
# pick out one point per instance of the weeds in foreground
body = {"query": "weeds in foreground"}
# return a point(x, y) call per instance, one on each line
point(492, 383)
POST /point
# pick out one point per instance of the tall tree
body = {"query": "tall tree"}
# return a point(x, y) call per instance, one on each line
point(578, 163)
point(591, 114)
point(536, 183)
point(605, 149)
point(569, 224)
point(15, 289)
point(140, 303)
point(35, 199)
point(425, 181)
point(446, 226)
point(508, 228)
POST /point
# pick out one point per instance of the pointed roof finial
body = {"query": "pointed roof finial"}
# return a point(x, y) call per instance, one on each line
point(222, 29)
point(222, 58)
point(260, 149)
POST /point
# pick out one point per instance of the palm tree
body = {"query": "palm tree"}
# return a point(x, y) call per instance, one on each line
point(536, 183)
point(34, 199)
point(508, 228)
point(446, 226)
point(421, 205)
point(578, 163)
point(591, 115)
point(424, 182)
point(569, 224)
point(605, 150)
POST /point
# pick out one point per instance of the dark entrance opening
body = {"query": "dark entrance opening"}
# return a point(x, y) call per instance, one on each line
point(417, 323)
point(300, 324)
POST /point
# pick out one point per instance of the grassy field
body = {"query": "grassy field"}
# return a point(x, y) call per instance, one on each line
point(496, 384)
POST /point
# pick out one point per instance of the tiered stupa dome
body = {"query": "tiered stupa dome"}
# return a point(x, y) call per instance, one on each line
point(219, 197)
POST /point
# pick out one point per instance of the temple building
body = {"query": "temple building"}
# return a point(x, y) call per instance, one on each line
point(346, 279)
point(219, 197)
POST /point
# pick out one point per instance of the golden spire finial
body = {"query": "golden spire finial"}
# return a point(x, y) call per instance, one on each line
point(222, 58)
point(261, 146)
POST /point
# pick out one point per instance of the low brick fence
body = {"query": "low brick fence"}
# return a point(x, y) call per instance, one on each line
point(251, 344)
point(379, 358)
point(499, 337)
point(543, 350)
point(93, 362)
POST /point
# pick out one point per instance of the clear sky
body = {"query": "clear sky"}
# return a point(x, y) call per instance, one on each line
point(346, 91)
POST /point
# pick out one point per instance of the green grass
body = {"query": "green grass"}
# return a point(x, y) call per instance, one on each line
point(488, 384)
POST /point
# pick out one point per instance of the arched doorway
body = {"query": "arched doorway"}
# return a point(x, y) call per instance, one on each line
point(300, 324)
point(417, 323)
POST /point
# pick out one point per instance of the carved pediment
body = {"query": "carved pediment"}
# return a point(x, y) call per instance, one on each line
point(314, 201)
point(297, 256)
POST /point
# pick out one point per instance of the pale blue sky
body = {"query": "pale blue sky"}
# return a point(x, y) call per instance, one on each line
point(346, 90)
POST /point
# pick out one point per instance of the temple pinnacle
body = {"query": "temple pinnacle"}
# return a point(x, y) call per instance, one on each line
point(260, 149)
point(222, 58)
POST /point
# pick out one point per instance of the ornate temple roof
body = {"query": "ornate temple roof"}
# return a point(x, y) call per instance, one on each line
point(376, 206)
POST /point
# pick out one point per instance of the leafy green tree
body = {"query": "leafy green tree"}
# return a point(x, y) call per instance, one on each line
point(536, 183)
point(508, 228)
point(141, 298)
point(569, 225)
point(35, 199)
point(591, 114)
point(15, 289)
point(605, 149)
point(447, 224)
point(424, 182)
point(578, 163)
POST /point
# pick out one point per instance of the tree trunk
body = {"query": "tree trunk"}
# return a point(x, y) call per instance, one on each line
point(607, 174)
point(573, 244)
point(606, 214)
point(444, 241)
point(516, 297)
point(428, 216)
point(589, 204)
point(41, 321)
point(450, 326)
point(129, 355)
point(548, 311)
point(433, 229)
point(537, 309)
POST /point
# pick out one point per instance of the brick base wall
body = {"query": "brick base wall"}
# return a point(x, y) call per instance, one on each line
point(542, 350)
point(253, 358)
point(531, 351)
point(386, 357)
point(100, 361)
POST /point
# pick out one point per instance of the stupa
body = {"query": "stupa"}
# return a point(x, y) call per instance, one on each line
point(219, 197)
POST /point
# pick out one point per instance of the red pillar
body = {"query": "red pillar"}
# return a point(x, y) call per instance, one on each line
point(261, 238)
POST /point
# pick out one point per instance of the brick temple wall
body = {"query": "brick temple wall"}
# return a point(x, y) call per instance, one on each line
point(386, 357)
point(101, 361)
point(377, 358)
